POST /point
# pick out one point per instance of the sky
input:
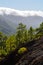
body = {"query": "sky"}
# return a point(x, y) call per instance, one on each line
point(22, 4)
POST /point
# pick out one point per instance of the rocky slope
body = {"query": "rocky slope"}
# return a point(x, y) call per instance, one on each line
point(33, 56)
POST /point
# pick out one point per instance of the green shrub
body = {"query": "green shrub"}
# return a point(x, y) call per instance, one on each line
point(3, 52)
point(22, 50)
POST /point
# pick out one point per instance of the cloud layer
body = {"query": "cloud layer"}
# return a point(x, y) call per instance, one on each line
point(25, 13)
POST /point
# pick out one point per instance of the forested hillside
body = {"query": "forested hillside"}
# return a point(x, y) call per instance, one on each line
point(24, 44)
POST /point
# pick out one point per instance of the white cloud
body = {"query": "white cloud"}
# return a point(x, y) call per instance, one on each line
point(9, 11)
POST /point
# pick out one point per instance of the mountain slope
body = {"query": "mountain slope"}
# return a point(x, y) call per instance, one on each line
point(33, 56)
point(4, 27)
point(10, 18)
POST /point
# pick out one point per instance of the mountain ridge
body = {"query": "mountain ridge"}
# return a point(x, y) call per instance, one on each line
point(10, 18)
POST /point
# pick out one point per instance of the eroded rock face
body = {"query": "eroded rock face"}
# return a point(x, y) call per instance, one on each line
point(34, 55)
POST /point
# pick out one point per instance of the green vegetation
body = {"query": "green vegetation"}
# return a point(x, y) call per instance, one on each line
point(22, 50)
point(9, 43)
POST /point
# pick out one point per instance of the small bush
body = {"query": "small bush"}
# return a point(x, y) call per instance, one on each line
point(22, 50)
point(3, 52)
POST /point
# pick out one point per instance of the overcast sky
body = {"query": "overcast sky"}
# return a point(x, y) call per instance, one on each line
point(22, 4)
